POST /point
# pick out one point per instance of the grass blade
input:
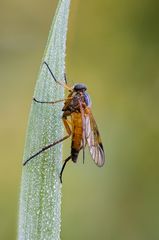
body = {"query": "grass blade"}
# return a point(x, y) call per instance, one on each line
point(40, 198)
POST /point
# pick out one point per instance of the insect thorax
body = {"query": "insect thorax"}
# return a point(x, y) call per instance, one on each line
point(84, 99)
point(73, 104)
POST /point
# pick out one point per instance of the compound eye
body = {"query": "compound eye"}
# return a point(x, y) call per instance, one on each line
point(80, 87)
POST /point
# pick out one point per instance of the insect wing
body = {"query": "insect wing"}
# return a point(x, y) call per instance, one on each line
point(94, 141)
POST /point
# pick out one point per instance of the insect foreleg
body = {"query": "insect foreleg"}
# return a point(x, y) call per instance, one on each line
point(54, 143)
point(59, 82)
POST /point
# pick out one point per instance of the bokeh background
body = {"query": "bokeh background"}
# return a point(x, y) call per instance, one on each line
point(113, 47)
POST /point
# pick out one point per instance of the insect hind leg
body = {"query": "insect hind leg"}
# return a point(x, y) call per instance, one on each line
point(66, 160)
point(69, 132)
point(64, 164)
point(45, 148)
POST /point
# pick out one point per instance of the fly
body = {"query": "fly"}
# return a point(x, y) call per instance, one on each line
point(79, 123)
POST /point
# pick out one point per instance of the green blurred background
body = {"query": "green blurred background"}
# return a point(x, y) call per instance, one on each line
point(113, 47)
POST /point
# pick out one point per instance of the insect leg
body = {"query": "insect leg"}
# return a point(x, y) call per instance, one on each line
point(53, 102)
point(59, 82)
point(65, 77)
point(66, 160)
point(54, 143)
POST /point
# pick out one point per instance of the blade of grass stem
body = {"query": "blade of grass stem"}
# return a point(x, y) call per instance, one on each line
point(40, 198)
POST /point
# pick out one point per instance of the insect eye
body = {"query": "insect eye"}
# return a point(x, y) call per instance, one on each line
point(80, 87)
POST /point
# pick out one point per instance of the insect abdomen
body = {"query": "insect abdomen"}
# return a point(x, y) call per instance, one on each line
point(77, 135)
point(74, 154)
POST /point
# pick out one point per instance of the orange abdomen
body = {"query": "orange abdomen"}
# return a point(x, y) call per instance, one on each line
point(77, 132)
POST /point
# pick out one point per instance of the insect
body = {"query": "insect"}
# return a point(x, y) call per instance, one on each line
point(79, 123)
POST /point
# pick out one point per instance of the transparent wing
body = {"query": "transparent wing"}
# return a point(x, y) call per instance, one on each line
point(94, 141)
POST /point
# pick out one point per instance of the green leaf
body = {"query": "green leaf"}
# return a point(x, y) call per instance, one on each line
point(40, 199)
